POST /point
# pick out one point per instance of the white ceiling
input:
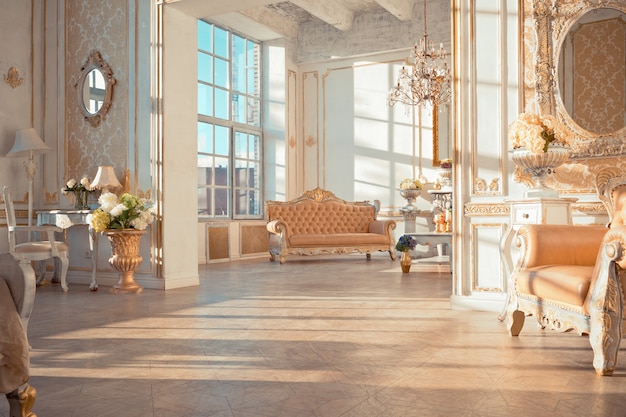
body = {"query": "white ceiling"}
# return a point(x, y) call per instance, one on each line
point(267, 19)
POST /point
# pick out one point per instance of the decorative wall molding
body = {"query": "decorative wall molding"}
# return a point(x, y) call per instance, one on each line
point(552, 21)
point(487, 209)
point(13, 78)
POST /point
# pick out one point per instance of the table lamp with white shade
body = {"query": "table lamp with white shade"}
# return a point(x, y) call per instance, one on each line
point(28, 143)
point(105, 179)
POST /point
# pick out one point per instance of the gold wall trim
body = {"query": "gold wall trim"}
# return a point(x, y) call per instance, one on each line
point(591, 208)
point(487, 209)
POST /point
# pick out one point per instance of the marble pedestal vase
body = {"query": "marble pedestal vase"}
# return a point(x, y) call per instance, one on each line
point(540, 165)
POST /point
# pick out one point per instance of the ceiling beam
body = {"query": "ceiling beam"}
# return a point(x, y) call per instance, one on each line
point(330, 11)
point(401, 9)
point(274, 21)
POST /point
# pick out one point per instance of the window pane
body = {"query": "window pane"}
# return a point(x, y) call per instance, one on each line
point(221, 203)
point(239, 64)
point(254, 202)
point(241, 145)
point(205, 138)
point(205, 36)
point(222, 140)
point(204, 201)
point(205, 99)
point(221, 42)
point(254, 111)
point(205, 68)
point(254, 146)
point(239, 108)
point(221, 73)
point(241, 202)
point(241, 174)
point(221, 104)
point(251, 86)
point(221, 171)
point(205, 170)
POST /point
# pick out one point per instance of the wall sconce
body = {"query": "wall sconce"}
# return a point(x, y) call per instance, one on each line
point(105, 179)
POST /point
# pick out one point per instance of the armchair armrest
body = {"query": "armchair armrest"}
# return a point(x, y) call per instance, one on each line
point(49, 230)
point(615, 240)
point(548, 244)
point(382, 227)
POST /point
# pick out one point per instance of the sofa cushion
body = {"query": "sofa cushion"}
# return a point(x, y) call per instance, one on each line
point(565, 283)
point(337, 239)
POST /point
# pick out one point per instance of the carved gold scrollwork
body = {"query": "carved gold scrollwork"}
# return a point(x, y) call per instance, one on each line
point(552, 21)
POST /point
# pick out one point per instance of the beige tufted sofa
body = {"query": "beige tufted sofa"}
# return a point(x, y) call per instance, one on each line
point(318, 222)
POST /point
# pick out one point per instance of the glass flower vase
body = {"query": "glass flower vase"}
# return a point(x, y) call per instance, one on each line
point(80, 200)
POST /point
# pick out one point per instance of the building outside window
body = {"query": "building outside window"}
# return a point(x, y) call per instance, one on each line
point(230, 140)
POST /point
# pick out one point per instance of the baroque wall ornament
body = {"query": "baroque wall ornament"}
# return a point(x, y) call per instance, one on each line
point(552, 22)
point(13, 78)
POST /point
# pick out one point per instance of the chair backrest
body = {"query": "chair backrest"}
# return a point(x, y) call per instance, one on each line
point(611, 188)
point(10, 212)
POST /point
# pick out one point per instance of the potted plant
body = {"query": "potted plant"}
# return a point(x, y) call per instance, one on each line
point(405, 244)
point(123, 221)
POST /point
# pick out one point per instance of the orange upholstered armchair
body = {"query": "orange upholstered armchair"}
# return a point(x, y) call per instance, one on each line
point(568, 277)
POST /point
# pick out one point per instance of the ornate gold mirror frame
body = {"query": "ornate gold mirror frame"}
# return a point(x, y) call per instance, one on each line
point(552, 21)
point(84, 88)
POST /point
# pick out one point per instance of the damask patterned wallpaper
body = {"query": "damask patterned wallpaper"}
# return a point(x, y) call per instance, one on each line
point(101, 26)
point(599, 82)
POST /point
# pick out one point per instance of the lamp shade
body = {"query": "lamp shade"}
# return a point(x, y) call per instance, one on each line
point(27, 142)
point(105, 179)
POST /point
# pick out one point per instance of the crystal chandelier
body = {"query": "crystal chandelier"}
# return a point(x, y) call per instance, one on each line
point(426, 81)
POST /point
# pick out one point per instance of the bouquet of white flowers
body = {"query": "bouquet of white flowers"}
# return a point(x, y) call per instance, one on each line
point(127, 212)
point(79, 190)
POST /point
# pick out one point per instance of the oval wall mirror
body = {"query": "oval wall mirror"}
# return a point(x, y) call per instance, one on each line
point(590, 71)
point(555, 72)
point(95, 88)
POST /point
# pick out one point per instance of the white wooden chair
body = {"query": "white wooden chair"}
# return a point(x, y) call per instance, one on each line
point(39, 250)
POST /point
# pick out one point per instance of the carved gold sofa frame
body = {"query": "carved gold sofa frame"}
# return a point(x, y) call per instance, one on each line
point(318, 222)
point(568, 277)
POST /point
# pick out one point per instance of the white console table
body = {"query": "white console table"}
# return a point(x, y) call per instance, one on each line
point(435, 239)
point(68, 218)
